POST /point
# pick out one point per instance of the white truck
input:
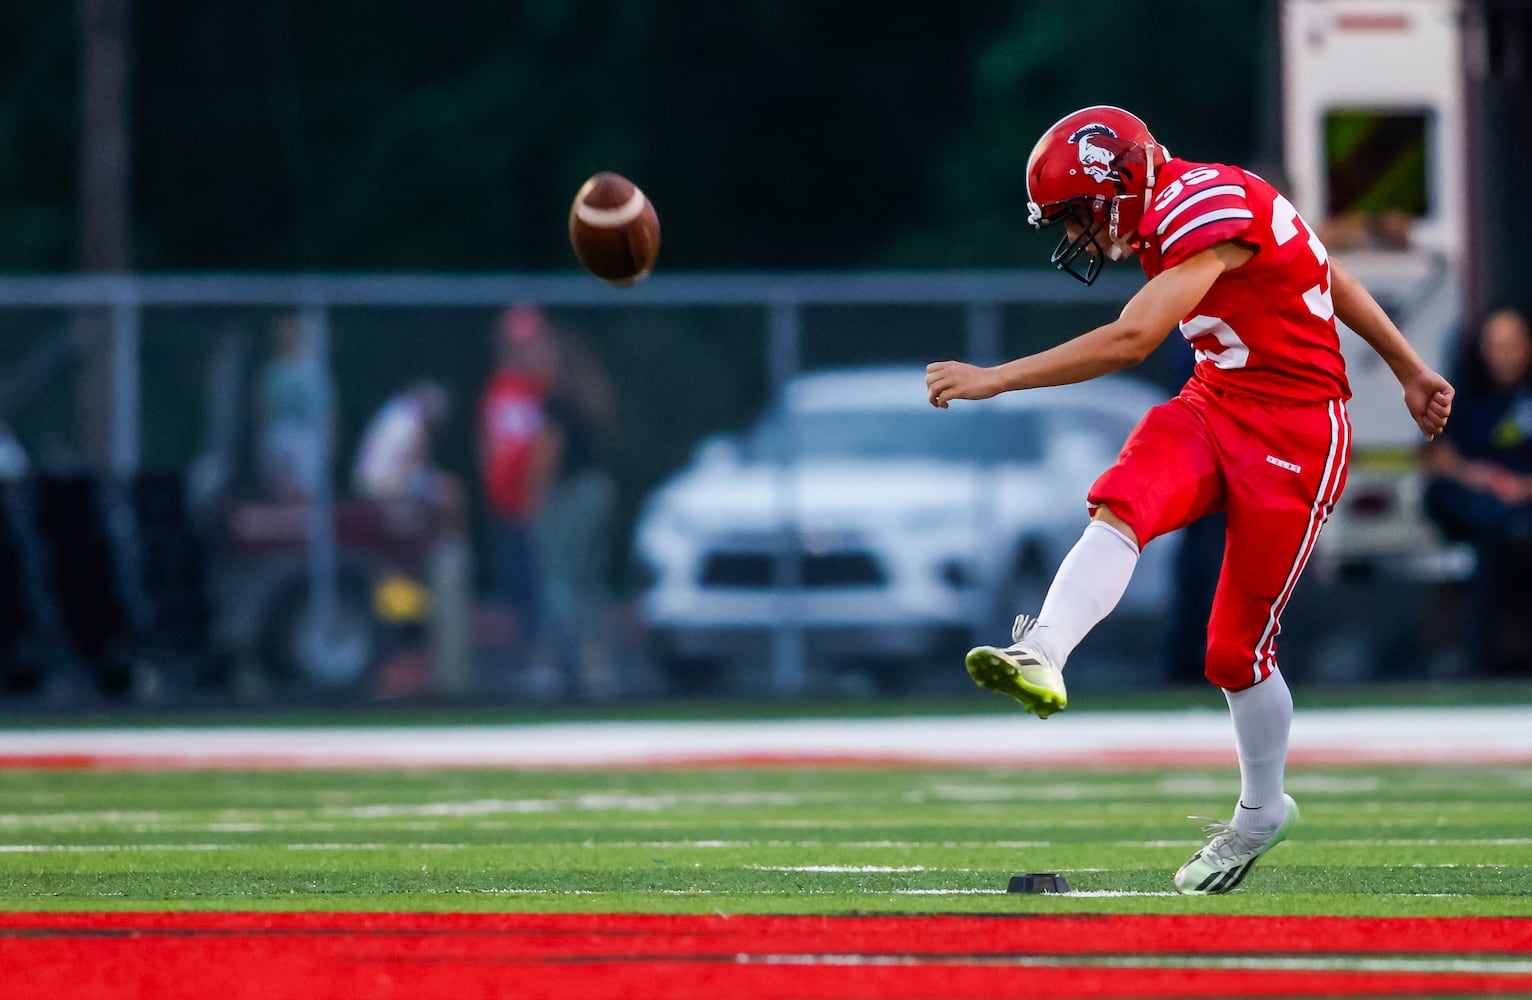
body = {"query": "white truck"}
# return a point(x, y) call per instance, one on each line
point(1374, 150)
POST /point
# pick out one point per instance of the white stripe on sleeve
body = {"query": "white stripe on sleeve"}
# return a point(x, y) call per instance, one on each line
point(1205, 220)
point(1212, 192)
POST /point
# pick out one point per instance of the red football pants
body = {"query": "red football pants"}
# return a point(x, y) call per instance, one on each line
point(1275, 471)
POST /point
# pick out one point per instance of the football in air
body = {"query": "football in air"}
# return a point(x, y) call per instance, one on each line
point(614, 229)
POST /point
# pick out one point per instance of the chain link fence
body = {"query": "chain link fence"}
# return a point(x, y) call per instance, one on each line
point(749, 498)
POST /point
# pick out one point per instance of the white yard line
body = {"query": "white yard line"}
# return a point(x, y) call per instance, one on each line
point(1463, 736)
point(1259, 963)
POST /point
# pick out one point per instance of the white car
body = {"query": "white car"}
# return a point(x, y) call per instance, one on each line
point(888, 531)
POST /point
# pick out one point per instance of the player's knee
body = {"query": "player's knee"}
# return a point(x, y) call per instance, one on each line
point(1231, 667)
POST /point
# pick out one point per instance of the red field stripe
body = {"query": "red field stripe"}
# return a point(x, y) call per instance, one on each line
point(1102, 760)
point(202, 968)
point(583, 935)
point(50, 761)
point(416, 956)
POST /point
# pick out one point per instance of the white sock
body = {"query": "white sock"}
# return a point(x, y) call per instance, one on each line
point(1089, 583)
point(1262, 715)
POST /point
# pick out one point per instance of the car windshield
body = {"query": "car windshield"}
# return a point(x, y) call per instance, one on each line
point(959, 435)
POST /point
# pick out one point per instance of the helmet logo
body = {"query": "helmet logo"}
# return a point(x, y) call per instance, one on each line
point(1097, 160)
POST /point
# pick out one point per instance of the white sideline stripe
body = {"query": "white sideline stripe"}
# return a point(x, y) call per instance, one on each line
point(704, 845)
point(154, 848)
point(1321, 963)
point(848, 869)
point(1462, 736)
point(1339, 963)
point(1094, 893)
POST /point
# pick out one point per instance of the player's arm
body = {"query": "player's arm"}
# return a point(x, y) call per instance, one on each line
point(1127, 340)
point(1427, 395)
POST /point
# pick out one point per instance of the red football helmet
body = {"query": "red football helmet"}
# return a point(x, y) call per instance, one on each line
point(1094, 167)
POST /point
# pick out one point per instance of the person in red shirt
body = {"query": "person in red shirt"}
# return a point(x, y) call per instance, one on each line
point(1259, 432)
point(517, 460)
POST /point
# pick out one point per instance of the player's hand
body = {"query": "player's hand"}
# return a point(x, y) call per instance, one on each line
point(1429, 398)
point(949, 380)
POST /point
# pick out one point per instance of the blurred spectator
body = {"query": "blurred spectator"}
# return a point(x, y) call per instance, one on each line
point(1479, 485)
point(574, 524)
point(296, 406)
point(394, 460)
point(516, 460)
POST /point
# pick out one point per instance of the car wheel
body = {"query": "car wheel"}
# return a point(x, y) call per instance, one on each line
point(686, 675)
point(896, 677)
point(692, 676)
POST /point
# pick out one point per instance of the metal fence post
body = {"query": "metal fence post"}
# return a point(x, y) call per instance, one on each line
point(319, 523)
point(125, 380)
point(783, 329)
point(984, 347)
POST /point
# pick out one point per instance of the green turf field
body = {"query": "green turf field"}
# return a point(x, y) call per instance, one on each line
point(1390, 841)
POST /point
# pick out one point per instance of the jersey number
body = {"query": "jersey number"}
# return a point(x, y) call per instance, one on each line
point(1192, 177)
point(1235, 353)
point(1284, 226)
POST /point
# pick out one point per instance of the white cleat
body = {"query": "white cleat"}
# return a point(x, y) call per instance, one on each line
point(1222, 863)
point(1021, 671)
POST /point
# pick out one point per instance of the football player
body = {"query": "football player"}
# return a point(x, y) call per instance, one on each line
point(1259, 432)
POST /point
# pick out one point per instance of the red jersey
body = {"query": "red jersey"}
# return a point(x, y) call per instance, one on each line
point(1267, 328)
point(510, 418)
